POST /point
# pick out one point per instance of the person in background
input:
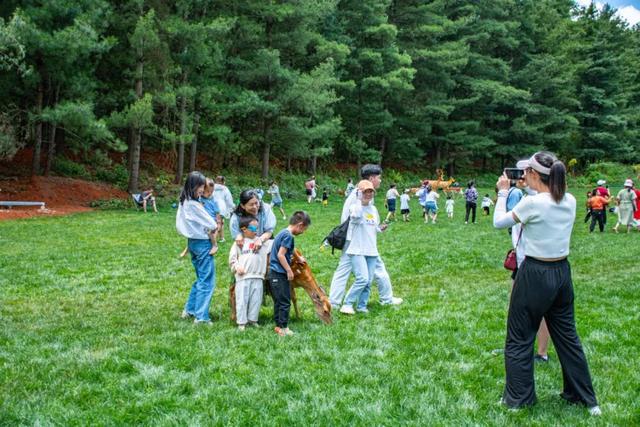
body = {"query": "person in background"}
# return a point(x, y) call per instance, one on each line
point(259, 193)
point(276, 199)
point(310, 188)
point(486, 205)
point(325, 197)
point(471, 198)
point(421, 194)
point(626, 200)
point(194, 223)
point(449, 204)
point(587, 217)
point(224, 200)
point(431, 205)
point(597, 205)
point(280, 274)
point(404, 205)
point(350, 188)
point(603, 191)
point(146, 198)
point(212, 209)
point(543, 287)
point(636, 214)
point(390, 202)
point(249, 268)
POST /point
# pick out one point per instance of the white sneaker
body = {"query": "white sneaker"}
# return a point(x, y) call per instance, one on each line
point(202, 322)
point(362, 310)
point(185, 314)
point(241, 327)
point(394, 301)
point(347, 309)
point(595, 411)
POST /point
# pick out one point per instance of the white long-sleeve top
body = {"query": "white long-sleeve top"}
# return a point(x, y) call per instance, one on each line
point(363, 224)
point(253, 263)
point(223, 199)
point(193, 221)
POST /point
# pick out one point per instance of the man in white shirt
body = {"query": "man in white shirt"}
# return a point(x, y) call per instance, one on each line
point(224, 200)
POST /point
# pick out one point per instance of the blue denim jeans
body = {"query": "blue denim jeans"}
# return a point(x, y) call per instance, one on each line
point(363, 268)
point(202, 289)
point(341, 277)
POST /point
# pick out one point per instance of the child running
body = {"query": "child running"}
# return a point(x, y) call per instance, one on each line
point(280, 273)
point(276, 198)
point(325, 198)
point(404, 205)
point(212, 209)
point(486, 204)
point(449, 207)
point(392, 195)
point(249, 268)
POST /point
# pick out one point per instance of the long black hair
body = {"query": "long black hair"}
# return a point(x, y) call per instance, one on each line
point(557, 178)
point(245, 196)
point(190, 190)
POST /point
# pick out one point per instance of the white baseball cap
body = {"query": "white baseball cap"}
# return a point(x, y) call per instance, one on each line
point(628, 183)
point(601, 182)
point(533, 164)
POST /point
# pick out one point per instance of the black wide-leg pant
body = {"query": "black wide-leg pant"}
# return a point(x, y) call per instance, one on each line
point(544, 289)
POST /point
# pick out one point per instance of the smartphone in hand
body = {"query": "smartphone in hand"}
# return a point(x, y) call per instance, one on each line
point(514, 173)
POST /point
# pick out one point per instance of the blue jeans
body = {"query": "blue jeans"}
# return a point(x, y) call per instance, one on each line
point(202, 289)
point(364, 269)
point(341, 277)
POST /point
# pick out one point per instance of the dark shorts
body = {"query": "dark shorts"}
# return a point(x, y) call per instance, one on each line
point(278, 203)
point(391, 204)
point(404, 211)
point(308, 192)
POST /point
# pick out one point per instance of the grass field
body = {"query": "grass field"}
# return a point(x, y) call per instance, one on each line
point(91, 335)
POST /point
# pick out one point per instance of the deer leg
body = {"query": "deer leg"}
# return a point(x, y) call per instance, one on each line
point(294, 300)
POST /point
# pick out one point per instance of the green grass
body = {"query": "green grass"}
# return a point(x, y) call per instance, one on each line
point(90, 304)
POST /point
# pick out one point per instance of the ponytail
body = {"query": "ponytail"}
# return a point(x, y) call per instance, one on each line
point(557, 178)
point(558, 181)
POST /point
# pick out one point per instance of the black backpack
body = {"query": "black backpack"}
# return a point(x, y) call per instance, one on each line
point(338, 236)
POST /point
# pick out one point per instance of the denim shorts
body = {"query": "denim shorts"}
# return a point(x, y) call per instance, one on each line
point(431, 207)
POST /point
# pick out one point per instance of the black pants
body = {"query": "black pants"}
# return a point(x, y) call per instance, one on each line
point(604, 214)
point(544, 289)
point(281, 293)
point(597, 215)
point(470, 207)
point(486, 210)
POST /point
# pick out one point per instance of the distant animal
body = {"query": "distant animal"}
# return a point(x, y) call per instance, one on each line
point(302, 278)
point(441, 185)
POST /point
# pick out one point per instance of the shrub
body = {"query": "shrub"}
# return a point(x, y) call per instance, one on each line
point(108, 204)
point(65, 167)
point(118, 175)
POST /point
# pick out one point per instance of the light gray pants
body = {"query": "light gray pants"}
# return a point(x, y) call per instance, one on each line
point(248, 300)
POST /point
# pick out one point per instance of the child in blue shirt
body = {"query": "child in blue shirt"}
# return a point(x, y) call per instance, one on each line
point(212, 209)
point(280, 273)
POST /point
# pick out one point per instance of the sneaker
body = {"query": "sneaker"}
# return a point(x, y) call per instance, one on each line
point(347, 309)
point(281, 332)
point(202, 322)
point(540, 358)
point(394, 301)
point(185, 314)
point(288, 332)
point(255, 324)
point(362, 310)
point(241, 327)
point(595, 411)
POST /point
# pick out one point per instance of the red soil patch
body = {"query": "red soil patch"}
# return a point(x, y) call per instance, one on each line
point(61, 195)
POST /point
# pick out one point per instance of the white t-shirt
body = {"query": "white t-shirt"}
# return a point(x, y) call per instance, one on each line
point(449, 205)
point(486, 202)
point(404, 201)
point(224, 200)
point(432, 196)
point(392, 194)
point(547, 225)
point(363, 225)
point(254, 264)
point(193, 222)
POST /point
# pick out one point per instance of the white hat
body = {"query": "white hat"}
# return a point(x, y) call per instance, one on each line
point(628, 183)
point(601, 182)
point(533, 164)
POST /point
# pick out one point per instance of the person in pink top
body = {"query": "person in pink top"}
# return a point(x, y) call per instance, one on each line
point(309, 188)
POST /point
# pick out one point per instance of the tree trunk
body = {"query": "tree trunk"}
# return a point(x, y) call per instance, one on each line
point(35, 163)
point(135, 135)
point(265, 150)
point(438, 148)
point(383, 147)
point(183, 133)
point(288, 162)
point(314, 164)
point(52, 138)
point(194, 143)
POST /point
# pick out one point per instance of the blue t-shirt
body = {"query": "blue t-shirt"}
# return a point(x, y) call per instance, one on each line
point(515, 195)
point(210, 206)
point(284, 239)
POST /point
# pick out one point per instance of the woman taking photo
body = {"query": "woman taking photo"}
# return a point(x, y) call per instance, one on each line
point(194, 223)
point(543, 286)
point(250, 205)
